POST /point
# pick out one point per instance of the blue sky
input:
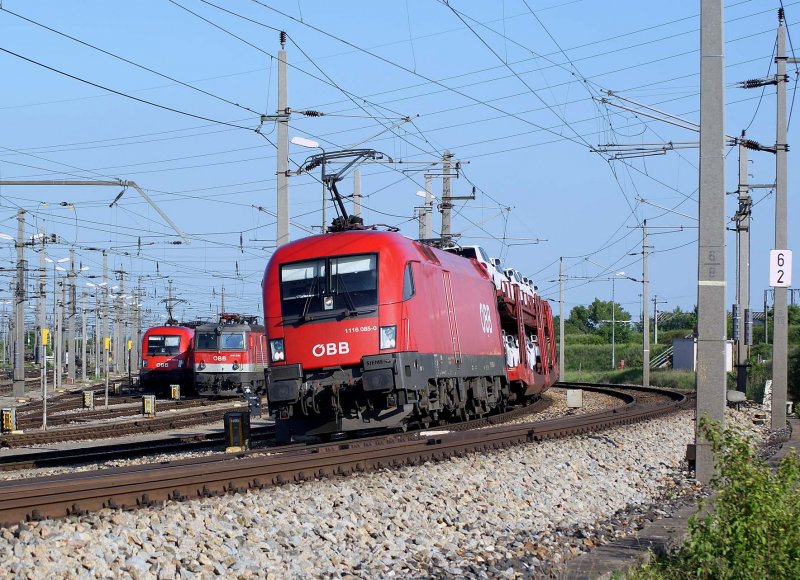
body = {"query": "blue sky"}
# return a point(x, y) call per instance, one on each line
point(511, 87)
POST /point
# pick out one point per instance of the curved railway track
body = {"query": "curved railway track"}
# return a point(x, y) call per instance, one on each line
point(139, 485)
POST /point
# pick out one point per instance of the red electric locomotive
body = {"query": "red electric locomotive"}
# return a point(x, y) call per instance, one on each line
point(369, 329)
point(230, 356)
point(167, 358)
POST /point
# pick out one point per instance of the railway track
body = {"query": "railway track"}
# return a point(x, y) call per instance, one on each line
point(121, 407)
point(71, 457)
point(162, 422)
point(139, 485)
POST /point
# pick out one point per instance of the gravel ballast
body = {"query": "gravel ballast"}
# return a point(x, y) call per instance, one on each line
point(510, 513)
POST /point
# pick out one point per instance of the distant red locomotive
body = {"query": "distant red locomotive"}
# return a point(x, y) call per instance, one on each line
point(369, 329)
point(230, 356)
point(167, 358)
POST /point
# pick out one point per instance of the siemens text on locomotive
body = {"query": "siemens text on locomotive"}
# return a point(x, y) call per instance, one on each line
point(230, 356)
point(167, 358)
point(369, 329)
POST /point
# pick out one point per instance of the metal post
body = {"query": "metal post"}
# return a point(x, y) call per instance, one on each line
point(613, 325)
point(97, 334)
point(780, 313)
point(19, 310)
point(655, 319)
point(711, 311)
point(44, 383)
point(743, 267)
point(282, 206)
point(324, 209)
point(118, 347)
point(106, 344)
point(766, 319)
point(645, 317)
point(72, 355)
point(428, 209)
point(41, 299)
point(106, 289)
point(561, 318)
point(138, 325)
point(446, 204)
point(60, 337)
point(84, 363)
point(357, 193)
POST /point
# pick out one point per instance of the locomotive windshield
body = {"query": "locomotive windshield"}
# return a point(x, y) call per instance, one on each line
point(213, 340)
point(207, 341)
point(159, 344)
point(232, 341)
point(336, 285)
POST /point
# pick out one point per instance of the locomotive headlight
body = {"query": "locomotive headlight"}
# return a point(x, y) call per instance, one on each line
point(276, 350)
point(388, 336)
point(236, 365)
point(202, 365)
point(180, 363)
point(144, 363)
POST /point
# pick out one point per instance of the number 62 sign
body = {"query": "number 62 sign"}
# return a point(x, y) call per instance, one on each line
point(780, 268)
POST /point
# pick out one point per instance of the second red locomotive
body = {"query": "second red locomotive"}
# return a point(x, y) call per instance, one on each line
point(230, 356)
point(370, 329)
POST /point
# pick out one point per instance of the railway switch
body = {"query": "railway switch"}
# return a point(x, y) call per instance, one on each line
point(237, 431)
point(149, 405)
point(88, 400)
point(175, 392)
point(9, 420)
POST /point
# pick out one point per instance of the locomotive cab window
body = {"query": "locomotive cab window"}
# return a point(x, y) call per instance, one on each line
point(232, 341)
point(163, 345)
point(329, 286)
point(408, 282)
point(207, 341)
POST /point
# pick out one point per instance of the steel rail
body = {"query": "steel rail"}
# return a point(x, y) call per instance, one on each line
point(84, 456)
point(66, 416)
point(139, 485)
point(162, 422)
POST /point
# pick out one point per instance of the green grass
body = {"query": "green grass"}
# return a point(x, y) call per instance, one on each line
point(665, 378)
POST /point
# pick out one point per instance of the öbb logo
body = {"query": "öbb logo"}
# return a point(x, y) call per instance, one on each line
point(485, 314)
point(330, 348)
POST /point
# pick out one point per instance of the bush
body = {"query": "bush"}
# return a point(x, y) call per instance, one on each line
point(753, 530)
point(794, 376)
point(572, 339)
point(666, 336)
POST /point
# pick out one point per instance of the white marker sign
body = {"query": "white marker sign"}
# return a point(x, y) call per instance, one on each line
point(780, 268)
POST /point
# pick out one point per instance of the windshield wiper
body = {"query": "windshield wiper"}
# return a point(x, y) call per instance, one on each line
point(351, 307)
point(304, 316)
